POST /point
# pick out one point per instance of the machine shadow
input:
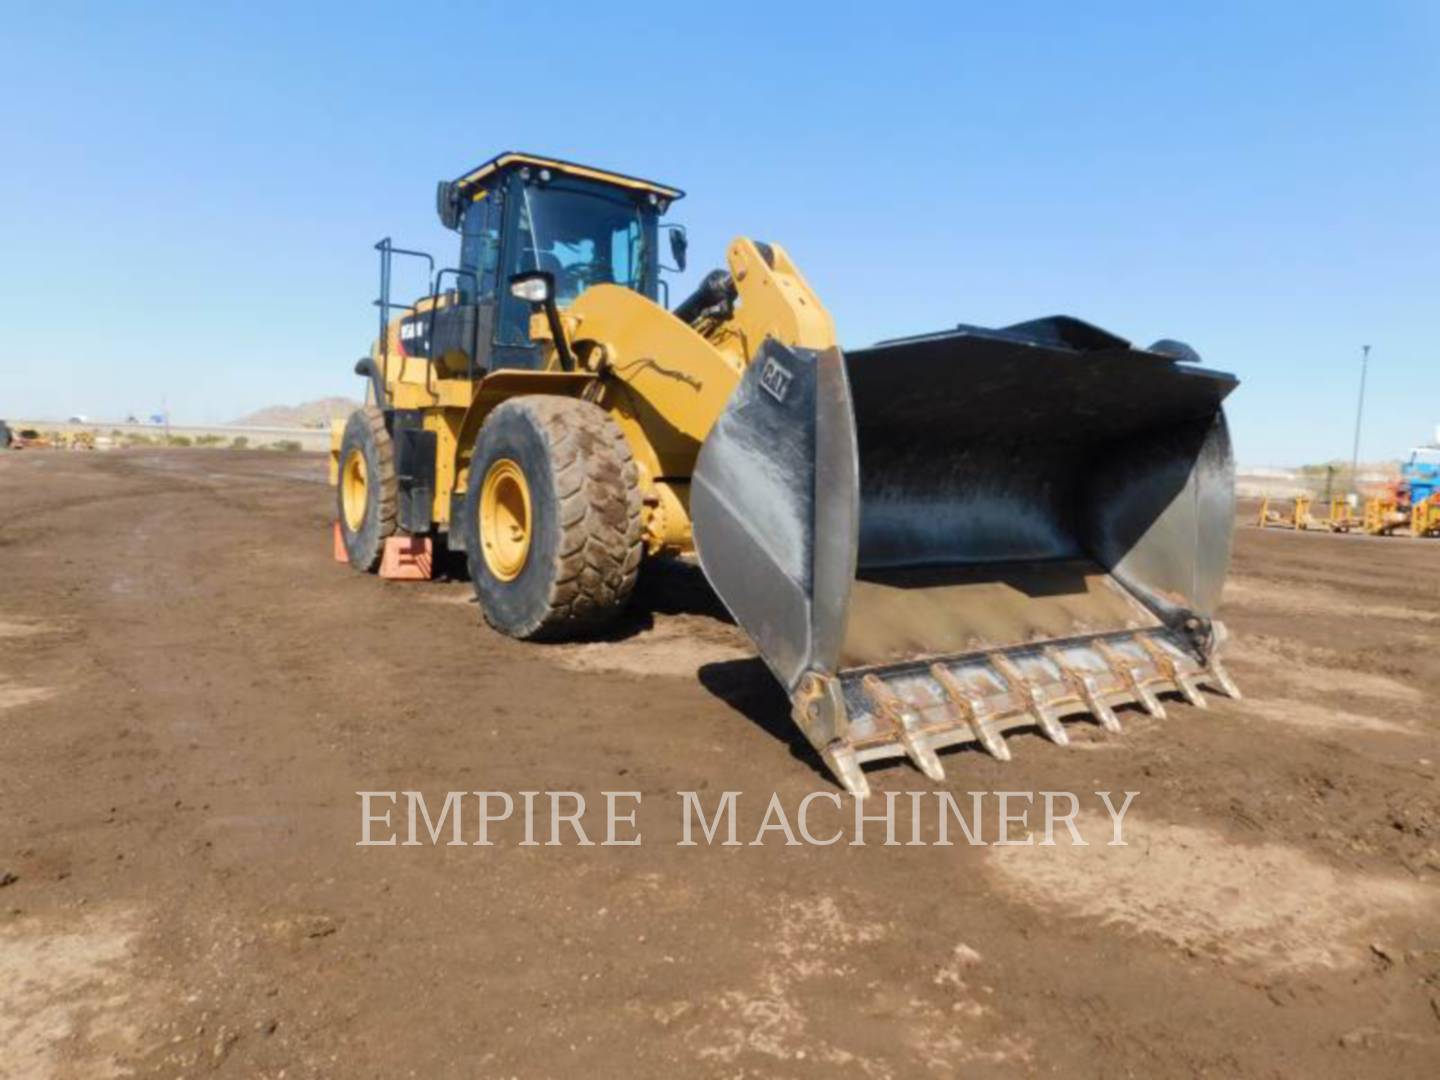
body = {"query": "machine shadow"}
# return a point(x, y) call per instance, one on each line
point(676, 587)
point(748, 687)
point(665, 587)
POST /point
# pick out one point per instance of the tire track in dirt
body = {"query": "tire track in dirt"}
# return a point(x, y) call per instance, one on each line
point(1263, 904)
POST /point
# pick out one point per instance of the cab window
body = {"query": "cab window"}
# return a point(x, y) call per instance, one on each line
point(480, 246)
point(582, 238)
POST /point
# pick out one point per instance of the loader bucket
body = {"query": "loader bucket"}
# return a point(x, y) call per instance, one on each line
point(938, 539)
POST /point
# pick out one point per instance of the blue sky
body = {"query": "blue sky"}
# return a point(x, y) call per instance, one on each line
point(190, 193)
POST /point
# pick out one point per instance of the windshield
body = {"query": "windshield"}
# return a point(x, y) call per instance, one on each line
point(583, 239)
point(582, 234)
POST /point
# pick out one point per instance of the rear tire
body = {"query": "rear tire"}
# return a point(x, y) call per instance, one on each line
point(552, 518)
point(367, 492)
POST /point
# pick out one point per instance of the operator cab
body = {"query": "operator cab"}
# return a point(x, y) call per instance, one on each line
point(519, 214)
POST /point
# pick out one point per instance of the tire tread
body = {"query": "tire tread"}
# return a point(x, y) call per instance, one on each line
point(388, 486)
point(597, 485)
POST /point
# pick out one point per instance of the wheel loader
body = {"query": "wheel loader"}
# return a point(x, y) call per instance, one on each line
point(931, 541)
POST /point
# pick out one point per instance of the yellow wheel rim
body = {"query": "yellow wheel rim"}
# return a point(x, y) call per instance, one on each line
point(505, 519)
point(354, 490)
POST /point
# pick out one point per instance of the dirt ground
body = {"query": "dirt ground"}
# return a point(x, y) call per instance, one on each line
point(192, 693)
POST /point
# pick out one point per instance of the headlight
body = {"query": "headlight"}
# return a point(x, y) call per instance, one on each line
point(532, 287)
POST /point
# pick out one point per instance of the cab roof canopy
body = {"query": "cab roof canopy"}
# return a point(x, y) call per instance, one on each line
point(478, 176)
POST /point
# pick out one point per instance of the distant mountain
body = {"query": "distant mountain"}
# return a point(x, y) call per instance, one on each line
point(309, 415)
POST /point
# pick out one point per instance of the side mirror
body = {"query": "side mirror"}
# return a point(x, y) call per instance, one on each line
point(447, 205)
point(679, 245)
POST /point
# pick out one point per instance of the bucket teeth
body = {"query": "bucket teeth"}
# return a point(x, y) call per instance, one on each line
point(972, 707)
point(1223, 681)
point(1165, 664)
point(1032, 694)
point(925, 759)
point(1148, 700)
point(1128, 673)
point(845, 767)
point(1218, 677)
point(1083, 686)
point(917, 709)
point(905, 722)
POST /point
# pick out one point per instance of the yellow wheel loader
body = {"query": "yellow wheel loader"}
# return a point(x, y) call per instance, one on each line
point(931, 541)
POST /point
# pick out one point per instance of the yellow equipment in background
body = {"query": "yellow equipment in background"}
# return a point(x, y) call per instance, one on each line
point(930, 541)
point(30, 439)
point(1425, 517)
point(1384, 515)
point(1298, 518)
point(1341, 518)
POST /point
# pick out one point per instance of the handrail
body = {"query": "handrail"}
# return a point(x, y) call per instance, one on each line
point(387, 249)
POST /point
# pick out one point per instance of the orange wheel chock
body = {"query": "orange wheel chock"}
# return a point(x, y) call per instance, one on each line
point(407, 558)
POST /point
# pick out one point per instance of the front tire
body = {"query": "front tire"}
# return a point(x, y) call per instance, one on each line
point(552, 518)
point(367, 494)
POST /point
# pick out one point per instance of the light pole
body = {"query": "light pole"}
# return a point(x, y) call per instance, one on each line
point(1359, 412)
